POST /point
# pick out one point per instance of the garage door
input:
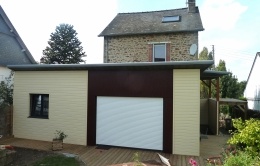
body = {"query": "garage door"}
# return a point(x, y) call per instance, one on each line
point(130, 122)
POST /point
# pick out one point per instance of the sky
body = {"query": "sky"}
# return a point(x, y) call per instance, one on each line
point(232, 26)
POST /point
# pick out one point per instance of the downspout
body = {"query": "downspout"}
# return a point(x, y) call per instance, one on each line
point(217, 98)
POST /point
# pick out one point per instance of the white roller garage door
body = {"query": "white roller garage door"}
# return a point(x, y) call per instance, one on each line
point(130, 122)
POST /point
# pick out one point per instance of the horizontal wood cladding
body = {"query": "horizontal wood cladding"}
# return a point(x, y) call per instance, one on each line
point(186, 115)
point(131, 83)
point(67, 105)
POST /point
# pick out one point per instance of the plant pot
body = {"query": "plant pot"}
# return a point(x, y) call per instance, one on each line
point(57, 144)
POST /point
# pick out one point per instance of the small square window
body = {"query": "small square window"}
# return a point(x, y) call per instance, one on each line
point(159, 52)
point(39, 105)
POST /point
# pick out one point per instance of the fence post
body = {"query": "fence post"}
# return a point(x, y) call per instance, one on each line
point(11, 120)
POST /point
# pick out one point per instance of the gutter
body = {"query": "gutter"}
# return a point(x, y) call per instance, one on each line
point(202, 65)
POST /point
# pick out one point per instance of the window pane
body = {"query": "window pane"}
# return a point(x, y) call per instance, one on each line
point(45, 105)
point(39, 105)
point(171, 18)
point(159, 52)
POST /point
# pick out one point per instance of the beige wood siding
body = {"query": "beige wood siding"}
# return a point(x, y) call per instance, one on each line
point(186, 111)
point(67, 105)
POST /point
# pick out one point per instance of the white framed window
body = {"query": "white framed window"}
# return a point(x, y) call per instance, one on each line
point(159, 52)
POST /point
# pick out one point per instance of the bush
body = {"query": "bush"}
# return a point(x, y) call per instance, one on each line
point(241, 159)
point(59, 160)
point(6, 91)
point(247, 135)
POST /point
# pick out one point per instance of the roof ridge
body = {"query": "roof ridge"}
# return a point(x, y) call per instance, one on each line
point(153, 11)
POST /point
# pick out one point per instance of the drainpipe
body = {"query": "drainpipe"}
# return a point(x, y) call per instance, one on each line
point(217, 98)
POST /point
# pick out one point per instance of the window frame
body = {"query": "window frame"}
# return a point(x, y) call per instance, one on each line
point(168, 19)
point(165, 51)
point(33, 106)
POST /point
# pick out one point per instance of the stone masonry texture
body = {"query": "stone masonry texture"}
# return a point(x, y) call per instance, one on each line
point(135, 48)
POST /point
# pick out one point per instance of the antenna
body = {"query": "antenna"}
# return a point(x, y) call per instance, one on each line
point(193, 49)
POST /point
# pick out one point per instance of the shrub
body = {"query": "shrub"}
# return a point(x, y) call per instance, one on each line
point(247, 135)
point(60, 135)
point(136, 158)
point(240, 159)
point(6, 91)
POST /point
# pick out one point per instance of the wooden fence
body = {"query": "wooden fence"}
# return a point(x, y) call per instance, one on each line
point(6, 121)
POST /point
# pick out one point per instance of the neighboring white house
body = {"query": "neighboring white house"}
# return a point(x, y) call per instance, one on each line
point(4, 72)
point(252, 90)
point(12, 49)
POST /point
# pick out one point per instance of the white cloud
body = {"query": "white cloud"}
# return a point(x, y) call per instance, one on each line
point(223, 29)
point(36, 20)
point(221, 14)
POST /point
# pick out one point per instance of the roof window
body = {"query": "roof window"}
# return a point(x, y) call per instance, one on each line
point(170, 19)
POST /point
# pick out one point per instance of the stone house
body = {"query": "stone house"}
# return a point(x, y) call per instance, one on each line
point(167, 35)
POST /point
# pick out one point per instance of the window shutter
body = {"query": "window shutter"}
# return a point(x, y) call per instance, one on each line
point(168, 51)
point(150, 52)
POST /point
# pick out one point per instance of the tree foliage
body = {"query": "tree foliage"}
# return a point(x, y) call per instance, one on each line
point(6, 90)
point(205, 54)
point(221, 66)
point(230, 87)
point(64, 47)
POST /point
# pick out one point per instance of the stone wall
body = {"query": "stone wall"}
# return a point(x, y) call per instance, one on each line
point(135, 48)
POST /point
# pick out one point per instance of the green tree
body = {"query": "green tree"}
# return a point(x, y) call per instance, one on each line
point(221, 66)
point(6, 91)
point(242, 86)
point(229, 85)
point(205, 55)
point(64, 47)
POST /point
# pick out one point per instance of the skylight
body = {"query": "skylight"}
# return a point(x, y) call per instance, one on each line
point(170, 19)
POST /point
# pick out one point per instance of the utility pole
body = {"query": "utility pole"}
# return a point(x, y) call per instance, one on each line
point(213, 54)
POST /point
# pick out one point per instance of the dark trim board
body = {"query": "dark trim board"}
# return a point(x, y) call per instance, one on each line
point(132, 83)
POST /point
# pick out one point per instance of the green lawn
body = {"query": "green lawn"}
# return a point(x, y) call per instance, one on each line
point(59, 160)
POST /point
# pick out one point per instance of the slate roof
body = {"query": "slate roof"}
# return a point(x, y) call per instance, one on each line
point(151, 23)
point(12, 48)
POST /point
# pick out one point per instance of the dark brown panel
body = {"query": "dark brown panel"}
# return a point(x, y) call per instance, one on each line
point(135, 83)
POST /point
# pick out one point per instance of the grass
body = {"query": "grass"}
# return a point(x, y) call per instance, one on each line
point(58, 160)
